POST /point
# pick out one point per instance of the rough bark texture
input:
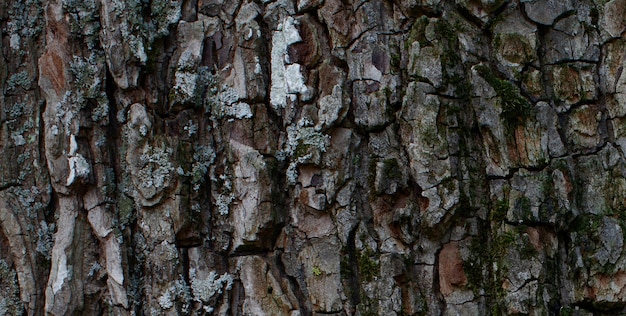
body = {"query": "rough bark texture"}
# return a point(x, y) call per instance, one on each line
point(238, 157)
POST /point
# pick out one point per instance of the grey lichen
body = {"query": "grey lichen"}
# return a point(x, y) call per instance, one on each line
point(95, 268)
point(191, 128)
point(156, 167)
point(178, 291)
point(18, 109)
point(25, 22)
point(305, 144)
point(203, 157)
point(84, 20)
point(223, 202)
point(86, 86)
point(224, 196)
point(79, 169)
point(226, 103)
point(205, 289)
point(164, 13)
point(10, 303)
point(23, 134)
point(139, 30)
point(86, 75)
point(28, 199)
point(186, 79)
point(19, 80)
point(303, 136)
point(45, 239)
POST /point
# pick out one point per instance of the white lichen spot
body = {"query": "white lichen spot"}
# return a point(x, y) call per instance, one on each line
point(191, 128)
point(228, 105)
point(143, 130)
point(95, 267)
point(239, 110)
point(228, 185)
point(292, 169)
point(185, 84)
point(228, 96)
point(294, 79)
point(62, 273)
point(330, 107)
point(73, 145)
point(139, 51)
point(15, 41)
point(121, 116)
point(166, 301)
point(223, 202)
point(18, 139)
point(79, 168)
point(285, 35)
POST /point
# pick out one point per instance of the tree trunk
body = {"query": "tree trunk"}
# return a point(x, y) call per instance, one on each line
point(163, 157)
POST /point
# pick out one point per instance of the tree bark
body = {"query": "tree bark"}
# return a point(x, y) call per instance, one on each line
point(177, 157)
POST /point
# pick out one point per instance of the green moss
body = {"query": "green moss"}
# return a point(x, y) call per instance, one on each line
point(316, 271)
point(498, 214)
point(515, 108)
point(462, 87)
point(454, 77)
point(522, 52)
point(473, 268)
point(387, 92)
point(125, 209)
point(523, 206)
point(527, 250)
point(418, 33)
point(368, 306)
point(500, 245)
point(356, 160)
point(395, 61)
point(391, 169)
point(301, 150)
point(487, 267)
point(449, 43)
point(371, 175)
point(345, 269)
point(368, 267)
point(444, 30)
